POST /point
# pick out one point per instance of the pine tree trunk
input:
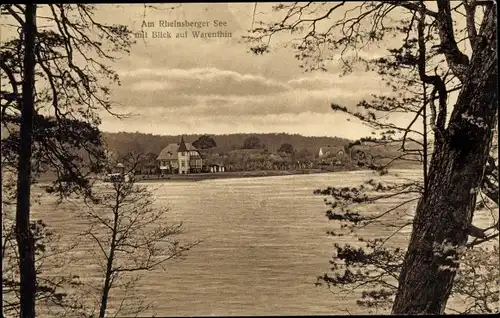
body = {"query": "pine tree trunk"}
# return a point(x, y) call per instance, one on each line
point(107, 282)
point(455, 175)
point(112, 249)
point(24, 236)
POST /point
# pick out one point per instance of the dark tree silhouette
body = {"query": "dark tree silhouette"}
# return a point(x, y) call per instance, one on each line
point(286, 148)
point(459, 156)
point(50, 249)
point(204, 142)
point(53, 128)
point(252, 143)
point(24, 236)
point(131, 236)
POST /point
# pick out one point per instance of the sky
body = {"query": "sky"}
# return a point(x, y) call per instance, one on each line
point(216, 86)
point(172, 86)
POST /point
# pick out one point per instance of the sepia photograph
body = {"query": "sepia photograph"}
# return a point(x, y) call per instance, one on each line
point(249, 159)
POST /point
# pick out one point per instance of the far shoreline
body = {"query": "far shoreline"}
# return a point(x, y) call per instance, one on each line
point(229, 175)
point(193, 177)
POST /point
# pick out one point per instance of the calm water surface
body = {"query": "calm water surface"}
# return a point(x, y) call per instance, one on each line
point(264, 243)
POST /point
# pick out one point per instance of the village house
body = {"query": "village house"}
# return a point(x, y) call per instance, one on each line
point(179, 158)
point(214, 162)
point(216, 168)
point(332, 154)
point(331, 151)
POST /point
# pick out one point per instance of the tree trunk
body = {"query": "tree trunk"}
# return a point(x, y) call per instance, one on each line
point(24, 236)
point(107, 281)
point(455, 175)
point(111, 256)
point(425, 142)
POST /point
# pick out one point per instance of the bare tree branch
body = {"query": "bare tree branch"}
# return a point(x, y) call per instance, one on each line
point(457, 61)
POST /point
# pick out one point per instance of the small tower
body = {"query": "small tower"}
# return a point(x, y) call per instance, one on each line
point(182, 145)
point(120, 168)
point(183, 157)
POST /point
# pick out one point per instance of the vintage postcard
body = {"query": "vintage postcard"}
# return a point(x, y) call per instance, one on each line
point(241, 159)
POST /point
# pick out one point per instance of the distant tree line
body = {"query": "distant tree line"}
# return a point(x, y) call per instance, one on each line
point(247, 152)
point(124, 142)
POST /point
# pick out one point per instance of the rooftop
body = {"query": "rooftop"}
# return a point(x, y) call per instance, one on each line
point(170, 151)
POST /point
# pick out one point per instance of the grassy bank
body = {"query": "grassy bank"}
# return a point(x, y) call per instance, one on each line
point(225, 175)
point(49, 177)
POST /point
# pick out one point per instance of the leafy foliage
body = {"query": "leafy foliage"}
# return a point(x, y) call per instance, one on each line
point(252, 143)
point(71, 86)
point(204, 142)
point(51, 293)
point(72, 83)
point(286, 148)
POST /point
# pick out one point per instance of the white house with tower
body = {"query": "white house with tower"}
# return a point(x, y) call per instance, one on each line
point(181, 158)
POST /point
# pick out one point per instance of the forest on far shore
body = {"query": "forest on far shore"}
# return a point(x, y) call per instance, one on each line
point(302, 148)
point(124, 142)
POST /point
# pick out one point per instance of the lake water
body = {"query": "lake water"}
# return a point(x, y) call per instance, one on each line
point(264, 244)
